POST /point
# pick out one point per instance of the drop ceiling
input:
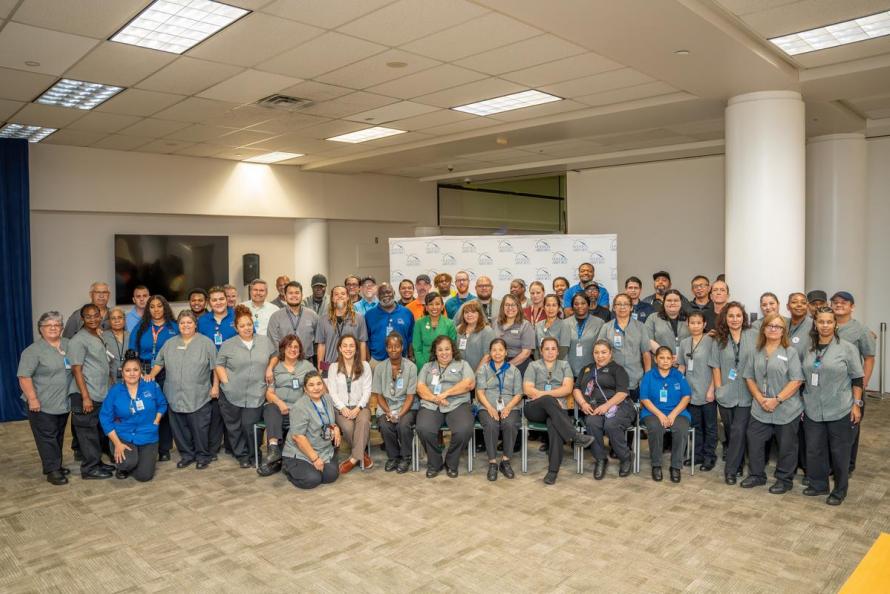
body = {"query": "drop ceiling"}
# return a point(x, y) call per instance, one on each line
point(403, 63)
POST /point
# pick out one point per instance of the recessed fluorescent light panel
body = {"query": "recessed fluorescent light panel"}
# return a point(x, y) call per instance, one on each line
point(273, 157)
point(861, 29)
point(507, 103)
point(176, 26)
point(366, 135)
point(78, 93)
point(29, 133)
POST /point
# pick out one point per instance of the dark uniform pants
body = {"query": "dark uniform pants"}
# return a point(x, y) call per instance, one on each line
point(92, 441)
point(854, 448)
point(277, 424)
point(828, 445)
point(192, 433)
point(49, 434)
point(217, 430)
point(239, 422)
point(459, 421)
point(656, 434)
point(304, 475)
point(507, 429)
point(560, 428)
point(165, 434)
point(735, 425)
point(397, 436)
point(759, 434)
point(615, 427)
point(704, 420)
point(140, 461)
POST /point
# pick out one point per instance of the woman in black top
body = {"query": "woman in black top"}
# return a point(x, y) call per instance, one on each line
point(601, 393)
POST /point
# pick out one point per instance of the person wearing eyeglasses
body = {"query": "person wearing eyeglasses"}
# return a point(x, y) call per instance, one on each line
point(116, 341)
point(517, 333)
point(394, 387)
point(695, 352)
point(701, 301)
point(499, 394)
point(99, 293)
point(310, 451)
point(552, 325)
point(832, 396)
point(474, 334)
point(668, 327)
point(774, 377)
point(461, 296)
point(630, 342)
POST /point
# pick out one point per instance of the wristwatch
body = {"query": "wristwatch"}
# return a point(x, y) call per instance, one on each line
point(859, 403)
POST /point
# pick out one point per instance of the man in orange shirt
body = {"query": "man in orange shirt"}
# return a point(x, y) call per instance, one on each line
point(422, 284)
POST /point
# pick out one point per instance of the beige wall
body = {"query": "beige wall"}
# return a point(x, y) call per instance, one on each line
point(668, 215)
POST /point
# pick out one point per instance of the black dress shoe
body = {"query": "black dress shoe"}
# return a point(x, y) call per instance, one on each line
point(95, 475)
point(391, 464)
point(404, 466)
point(245, 463)
point(202, 465)
point(108, 467)
point(550, 478)
point(707, 466)
point(675, 475)
point(687, 462)
point(625, 468)
point(56, 478)
point(273, 453)
point(583, 440)
point(811, 492)
point(184, 463)
point(506, 469)
point(165, 457)
point(834, 499)
point(121, 474)
point(730, 479)
point(656, 473)
point(66, 472)
point(451, 472)
point(432, 472)
point(267, 469)
point(751, 482)
point(599, 470)
point(779, 488)
point(492, 471)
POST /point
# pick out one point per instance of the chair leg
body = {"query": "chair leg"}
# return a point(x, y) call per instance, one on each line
point(692, 455)
point(256, 448)
point(579, 457)
point(415, 453)
point(471, 451)
point(524, 447)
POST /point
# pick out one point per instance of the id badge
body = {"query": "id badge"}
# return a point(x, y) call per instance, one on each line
point(462, 343)
point(500, 404)
point(434, 379)
point(400, 384)
point(295, 383)
point(326, 433)
point(389, 330)
point(217, 339)
point(635, 316)
point(732, 374)
point(437, 388)
point(814, 379)
point(663, 395)
point(579, 350)
point(617, 341)
point(548, 387)
point(690, 366)
point(256, 325)
point(139, 405)
point(67, 363)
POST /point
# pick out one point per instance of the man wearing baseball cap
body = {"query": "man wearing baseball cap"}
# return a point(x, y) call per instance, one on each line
point(319, 302)
point(816, 299)
point(369, 300)
point(422, 285)
point(662, 282)
point(855, 332)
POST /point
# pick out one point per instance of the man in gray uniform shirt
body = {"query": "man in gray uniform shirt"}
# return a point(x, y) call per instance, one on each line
point(295, 319)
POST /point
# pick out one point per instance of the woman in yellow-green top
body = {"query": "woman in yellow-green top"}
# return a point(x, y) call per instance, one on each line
point(429, 327)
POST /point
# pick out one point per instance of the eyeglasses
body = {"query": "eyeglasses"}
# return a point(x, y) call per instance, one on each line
point(775, 327)
point(101, 292)
point(51, 325)
point(699, 286)
point(478, 286)
point(622, 305)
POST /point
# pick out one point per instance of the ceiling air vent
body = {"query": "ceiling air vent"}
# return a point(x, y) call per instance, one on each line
point(284, 103)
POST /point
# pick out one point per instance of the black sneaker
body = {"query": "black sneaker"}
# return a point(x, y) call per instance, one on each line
point(811, 492)
point(492, 471)
point(432, 472)
point(583, 440)
point(273, 453)
point(121, 474)
point(165, 457)
point(391, 464)
point(625, 468)
point(506, 469)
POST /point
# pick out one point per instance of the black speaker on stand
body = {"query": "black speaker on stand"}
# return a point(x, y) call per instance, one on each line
point(250, 265)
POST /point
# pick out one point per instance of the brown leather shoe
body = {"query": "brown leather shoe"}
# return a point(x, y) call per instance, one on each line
point(346, 466)
point(369, 463)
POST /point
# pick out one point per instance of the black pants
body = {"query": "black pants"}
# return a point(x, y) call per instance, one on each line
point(92, 440)
point(857, 429)
point(239, 426)
point(615, 427)
point(560, 428)
point(49, 434)
point(735, 425)
point(656, 435)
point(828, 445)
point(507, 429)
point(304, 475)
point(277, 424)
point(140, 461)
point(704, 421)
point(759, 435)
point(192, 432)
point(459, 421)
point(217, 429)
point(397, 436)
point(165, 434)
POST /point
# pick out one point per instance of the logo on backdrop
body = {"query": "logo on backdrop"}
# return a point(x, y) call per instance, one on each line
point(520, 258)
point(471, 273)
point(542, 274)
point(597, 258)
point(397, 248)
point(398, 275)
point(412, 260)
point(468, 247)
point(504, 274)
point(613, 245)
point(579, 246)
point(432, 247)
point(559, 258)
point(505, 246)
point(485, 260)
point(448, 260)
point(542, 246)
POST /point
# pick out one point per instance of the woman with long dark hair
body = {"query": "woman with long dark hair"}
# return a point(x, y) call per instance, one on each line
point(349, 385)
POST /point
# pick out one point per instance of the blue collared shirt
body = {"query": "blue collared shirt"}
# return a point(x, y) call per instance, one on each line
point(453, 304)
point(575, 289)
point(377, 320)
point(148, 346)
point(226, 328)
point(363, 307)
point(133, 418)
point(133, 319)
point(664, 392)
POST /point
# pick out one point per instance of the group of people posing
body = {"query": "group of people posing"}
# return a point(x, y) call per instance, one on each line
point(429, 358)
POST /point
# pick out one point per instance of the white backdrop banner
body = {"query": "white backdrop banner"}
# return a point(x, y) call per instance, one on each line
point(505, 257)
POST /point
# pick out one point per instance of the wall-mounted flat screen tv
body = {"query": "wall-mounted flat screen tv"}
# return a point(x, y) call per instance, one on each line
point(169, 265)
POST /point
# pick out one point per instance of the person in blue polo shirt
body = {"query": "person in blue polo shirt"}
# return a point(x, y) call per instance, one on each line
point(369, 296)
point(665, 394)
point(585, 275)
point(140, 300)
point(218, 325)
point(462, 283)
point(386, 318)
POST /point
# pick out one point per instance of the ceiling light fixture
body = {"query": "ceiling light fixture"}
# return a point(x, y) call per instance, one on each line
point(78, 93)
point(175, 26)
point(507, 103)
point(29, 133)
point(366, 135)
point(273, 157)
point(860, 29)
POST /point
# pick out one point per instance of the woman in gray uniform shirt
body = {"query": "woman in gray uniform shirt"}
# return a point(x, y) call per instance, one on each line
point(240, 367)
point(188, 359)
point(288, 380)
point(583, 330)
point(734, 348)
point(499, 393)
point(116, 341)
point(630, 343)
point(310, 455)
point(552, 325)
point(394, 386)
point(832, 395)
point(773, 376)
point(45, 379)
point(474, 335)
point(517, 333)
point(695, 352)
point(667, 327)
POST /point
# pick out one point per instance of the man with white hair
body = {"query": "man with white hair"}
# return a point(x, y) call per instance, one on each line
point(262, 310)
point(100, 293)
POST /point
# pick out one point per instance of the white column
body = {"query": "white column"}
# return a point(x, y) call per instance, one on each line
point(837, 213)
point(310, 250)
point(765, 196)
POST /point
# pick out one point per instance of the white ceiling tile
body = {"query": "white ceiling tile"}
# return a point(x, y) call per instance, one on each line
point(348, 105)
point(315, 91)
point(322, 54)
point(249, 4)
point(470, 93)
point(653, 89)
point(92, 18)
point(74, 137)
point(374, 70)
point(239, 154)
point(740, 7)
point(288, 123)
point(428, 120)
point(598, 83)
point(119, 64)
point(187, 76)
point(7, 108)
point(332, 128)
point(427, 81)
point(6, 7)
point(165, 146)
point(195, 109)
point(393, 140)
point(97, 121)
point(323, 13)
point(561, 148)
point(501, 155)
point(537, 111)
point(202, 150)
point(49, 116)
point(462, 126)
point(242, 138)
point(254, 38)
point(394, 111)
point(244, 116)
point(153, 128)
point(478, 35)
point(560, 70)
point(23, 86)
point(524, 54)
point(199, 133)
point(249, 86)
point(407, 20)
point(118, 142)
point(293, 143)
point(874, 108)
point(54, 51)
point(139, 102)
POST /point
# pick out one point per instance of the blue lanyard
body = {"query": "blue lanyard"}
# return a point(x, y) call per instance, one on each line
point(581, 325)
point(500, 374)
point(326, 421)
point(619, 329)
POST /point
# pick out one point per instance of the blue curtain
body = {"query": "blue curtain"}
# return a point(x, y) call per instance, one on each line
point(15, 273)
